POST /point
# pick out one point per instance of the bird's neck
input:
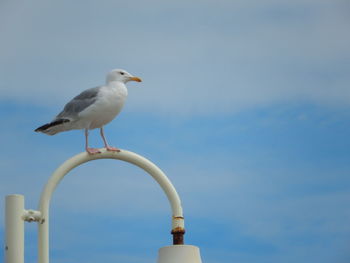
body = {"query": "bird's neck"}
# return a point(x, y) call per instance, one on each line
point(108, 82)
point(115, 84)
point(118, 86)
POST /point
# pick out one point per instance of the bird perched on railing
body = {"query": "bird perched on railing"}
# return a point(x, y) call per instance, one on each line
point(93, 108)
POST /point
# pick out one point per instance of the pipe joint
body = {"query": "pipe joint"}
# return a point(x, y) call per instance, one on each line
point(32, 216)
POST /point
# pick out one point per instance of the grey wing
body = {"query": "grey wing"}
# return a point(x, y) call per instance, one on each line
point(79, 103)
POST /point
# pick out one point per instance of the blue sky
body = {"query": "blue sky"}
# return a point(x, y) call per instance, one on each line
point(244, 104)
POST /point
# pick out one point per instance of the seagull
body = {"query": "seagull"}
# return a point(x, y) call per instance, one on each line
point(93, 108)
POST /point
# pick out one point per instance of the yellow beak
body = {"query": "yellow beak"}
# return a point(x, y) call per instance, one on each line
point(135, 79)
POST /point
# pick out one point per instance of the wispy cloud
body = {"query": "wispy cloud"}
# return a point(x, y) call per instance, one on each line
point(223, 59)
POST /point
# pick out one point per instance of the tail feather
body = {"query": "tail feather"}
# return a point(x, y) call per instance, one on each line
point(52, 127)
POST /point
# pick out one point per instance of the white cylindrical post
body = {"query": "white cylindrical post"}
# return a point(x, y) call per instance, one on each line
point(14, 233)
point(179, 253)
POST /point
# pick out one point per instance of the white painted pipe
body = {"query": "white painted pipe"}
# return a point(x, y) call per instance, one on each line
point(57, 176)
point(14, 233)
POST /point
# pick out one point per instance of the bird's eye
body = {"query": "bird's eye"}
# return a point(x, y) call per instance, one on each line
point(122, 73)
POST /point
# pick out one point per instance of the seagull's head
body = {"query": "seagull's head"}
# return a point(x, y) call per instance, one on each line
point(121, 75)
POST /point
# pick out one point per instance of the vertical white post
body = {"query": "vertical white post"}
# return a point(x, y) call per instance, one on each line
point(43, 241)
point(14, 234)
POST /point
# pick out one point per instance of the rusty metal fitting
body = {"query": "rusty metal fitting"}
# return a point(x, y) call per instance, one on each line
point(178, 236)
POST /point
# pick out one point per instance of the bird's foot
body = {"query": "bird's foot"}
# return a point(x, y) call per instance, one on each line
point(92, 150)
point(112, 149)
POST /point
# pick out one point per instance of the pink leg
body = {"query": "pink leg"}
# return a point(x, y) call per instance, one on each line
point(89, 150)
point(108, 148)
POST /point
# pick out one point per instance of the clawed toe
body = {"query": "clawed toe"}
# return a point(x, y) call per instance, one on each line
point(92, 151)
point(112, 149)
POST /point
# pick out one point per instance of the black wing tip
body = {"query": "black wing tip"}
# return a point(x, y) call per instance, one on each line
point(44, 127)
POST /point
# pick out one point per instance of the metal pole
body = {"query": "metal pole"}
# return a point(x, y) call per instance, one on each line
point(14, 233)
point(133, 158)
